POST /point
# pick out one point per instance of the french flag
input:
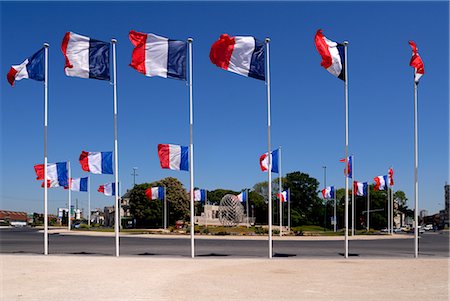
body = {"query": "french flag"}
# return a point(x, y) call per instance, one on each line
point(85, 57)
point(242, 197)
point(359, 188)
point(107, 189)
point(79, 184)
point(158, 56)
point(284, 196)
point(97, 162)
point(32, 68)
point(173, 156)
point(328, 192)
point(200, 195)
point(155, 193)
point(332, 55)
point(241, 55)
point(349, 166)
point(56, 174)
point(264, 161)
point(391, 176)
point(416, 62)
point(380, 183)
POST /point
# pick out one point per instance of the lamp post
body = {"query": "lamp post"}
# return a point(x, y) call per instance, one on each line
point(134, 174)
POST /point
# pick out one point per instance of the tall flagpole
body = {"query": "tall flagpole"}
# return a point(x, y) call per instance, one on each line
point(334, 213)
point(368, 206)
point(280, 190)
point(346, 149)
point(267, 41)
point(46, 45)
point(246, 201)
point(89, 201)
point(69, 222)
point(116, 156)
point(353, 195)
point(191, 148)
point(388, 209)
point(392, 211)
point(289, 209)
point(165, 209)
point(416, 183)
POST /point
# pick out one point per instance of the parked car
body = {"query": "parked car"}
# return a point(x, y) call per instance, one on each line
point(428, 227)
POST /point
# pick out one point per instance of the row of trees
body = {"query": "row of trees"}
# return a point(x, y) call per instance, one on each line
point(307, 206)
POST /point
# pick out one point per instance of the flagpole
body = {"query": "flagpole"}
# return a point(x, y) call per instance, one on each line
point(191, 148)
point(289, 209)
point(116, 157)
point(346, 149)
point(353, 195)
point(368, 206)
point(334, 212)
point(392, 210)
point(46, 45)
point(280, 190)
point(89, 201)
point(165, 209)
point(388, 210)
point(206, 202)
point(416, 183)
point(69, 222)
point(246, 201)
point(269, 173)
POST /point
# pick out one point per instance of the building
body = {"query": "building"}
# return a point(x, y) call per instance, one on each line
point(125, 215)
point(97, 216)
point(13, 218)
point(210, 216)
point(444, 214)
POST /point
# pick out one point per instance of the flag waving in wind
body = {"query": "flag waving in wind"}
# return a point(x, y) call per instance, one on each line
point(172, 156)
point(264, 161)
point(328, 192)
point(241, 55)
point(416, 62)
point(97, 162)
point(359, 188)
point(32, 68)
point(57, 174)
point(78, 184)
point(332, 55)
point(155, 193)
point(391, 176)
point(242, 197)
point(107, 189)
point(380, 183)
point(199, 195)
point(349, 166)
point(284, 196)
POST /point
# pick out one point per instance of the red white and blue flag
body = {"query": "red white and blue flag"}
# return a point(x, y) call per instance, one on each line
point(85, 57)
point(349, 165)
point(391, 176)
point(264, 161)
point(97, 162)
point(158, 56)
point(79, 184)
point(155, 193)
point(242, 197)
point(416, 62)
point(380, 183)
point(241, 55)
point(360, 188)
point(328, 192)
point(200, 195)
point(32, 68)
point(173, 156)
point(332, 55)
point(107, 189)
point(284, 196)
point(57, 174)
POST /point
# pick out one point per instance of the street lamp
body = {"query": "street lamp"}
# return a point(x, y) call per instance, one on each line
point(134, 174)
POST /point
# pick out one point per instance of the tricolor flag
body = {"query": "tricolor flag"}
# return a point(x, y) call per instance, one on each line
point(380, 183)
point(200, 195)
point(264, 161)
point(332, 55)
point(155, 193)
point(416, 62)
point(107, 189)
point(349, 166)
point(97, 162)
point(241, 55)
point(173, 156)
point(85, 57)
point(242, 197)
point(32, 68)
point(158, 56)
point(360, 188)
point(328, 192)
point(284, 196)
point(391, 176)
point(56, 174)
point(78, 184)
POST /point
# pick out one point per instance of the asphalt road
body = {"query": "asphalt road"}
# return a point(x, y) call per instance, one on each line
point(30, 241)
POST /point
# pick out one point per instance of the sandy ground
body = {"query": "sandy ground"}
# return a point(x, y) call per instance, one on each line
point(53, 277)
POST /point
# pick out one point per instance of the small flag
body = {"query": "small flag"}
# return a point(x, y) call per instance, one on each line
point(332, 55)
point(391, 176)
point(284, 196)
point(158, 56)
point(241, 55)
point(97, 162)
point(200, 195)
point(264, 161)
point(328, 192)
point(78, 184)
point(349, 166)
point(380, 183)
point(416, 62)
point(107, 189)
point(56, 174)
point(173, 156)
point(32, 68)
point(242, 197)
point(360, 188)
point(155, 193)
point(85, 57)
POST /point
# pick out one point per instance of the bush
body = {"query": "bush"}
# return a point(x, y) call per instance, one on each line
point(84, 226)
point(261, 230)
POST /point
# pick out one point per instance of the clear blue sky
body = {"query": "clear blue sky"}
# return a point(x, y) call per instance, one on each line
point(230, 113)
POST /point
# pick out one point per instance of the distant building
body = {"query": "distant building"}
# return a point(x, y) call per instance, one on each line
point(97, 216)
point(444, 214)
point(422, 215)
point(13, 218)
point(125, 215)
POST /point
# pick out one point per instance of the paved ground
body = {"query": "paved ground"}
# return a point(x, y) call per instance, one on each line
point(64, 277)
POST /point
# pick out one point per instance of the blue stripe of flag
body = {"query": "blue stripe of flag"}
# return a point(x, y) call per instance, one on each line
point(84, 184)
point(160, 193)
point(184, 162)
point(257, 66)
point(107, 166)
point(99, 60)
point(61, 170)
point(176, 59)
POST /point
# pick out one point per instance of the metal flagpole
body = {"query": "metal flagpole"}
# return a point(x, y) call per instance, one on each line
point(388, 210)
point(368, 206)
point(46, 45)
point(116, 157)
point(334, 218)
point(267, 41)
point(289, 209)
point(346, 149)
point(416, 183)
point(69, 222)
point(392, 211)
point(206, 203)
point(165, 209)
point(246, 201)
point(191, 148)
point(89, 201)
point(280, 190)
point(353, 195)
